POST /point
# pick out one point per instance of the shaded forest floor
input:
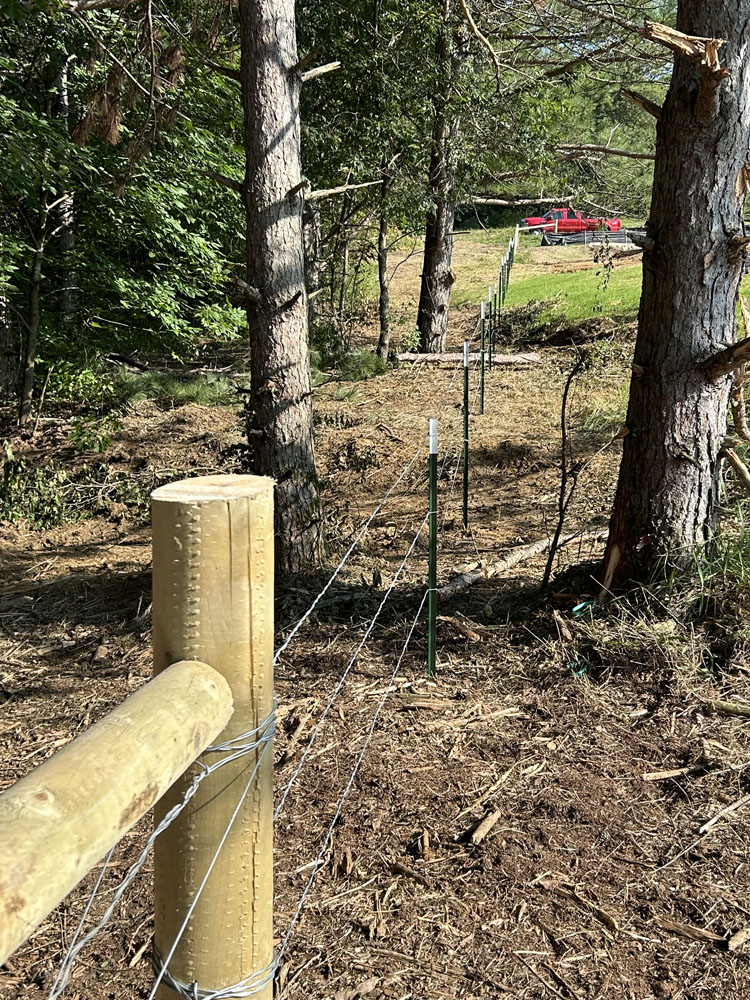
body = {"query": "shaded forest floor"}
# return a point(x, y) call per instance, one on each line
point(584, 732)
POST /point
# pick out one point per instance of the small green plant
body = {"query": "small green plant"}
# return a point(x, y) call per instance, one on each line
point(86, 386)
point(31, 494)
point(92, 433)
point(410, 341)
point(361, 364)
point(346, 393)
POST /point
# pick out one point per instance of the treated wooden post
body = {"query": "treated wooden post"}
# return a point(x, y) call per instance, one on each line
point(59, 820)
point(213, 599)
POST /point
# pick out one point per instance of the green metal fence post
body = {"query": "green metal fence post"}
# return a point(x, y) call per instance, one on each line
point(481, 362)
point(466, 434)
point(432, 573)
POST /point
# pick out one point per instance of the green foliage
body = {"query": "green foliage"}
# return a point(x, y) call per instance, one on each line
point(361, 364)
point(410, 341)
point(45, 496)
point(93, 387)
point(169, 390)
point(35, 495)
point(92, 433)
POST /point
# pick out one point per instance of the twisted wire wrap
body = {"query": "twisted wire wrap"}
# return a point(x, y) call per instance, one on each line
point(248, 987)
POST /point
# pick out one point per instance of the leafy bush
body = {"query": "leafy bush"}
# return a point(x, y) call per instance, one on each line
point(48, 495)
point(410, 341)
point(89, 386)
point(93, 434)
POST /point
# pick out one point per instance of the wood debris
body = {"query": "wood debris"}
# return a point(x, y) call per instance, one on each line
point(485, 827)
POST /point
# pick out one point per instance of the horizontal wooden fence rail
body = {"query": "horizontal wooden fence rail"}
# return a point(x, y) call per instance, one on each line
point(63, 817)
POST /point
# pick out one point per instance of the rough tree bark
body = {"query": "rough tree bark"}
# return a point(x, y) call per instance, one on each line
point(667, 492)
point(437, 277)
point(279, 419)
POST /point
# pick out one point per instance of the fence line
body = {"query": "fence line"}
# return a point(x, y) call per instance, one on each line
point(348, 668)
point(257, 741)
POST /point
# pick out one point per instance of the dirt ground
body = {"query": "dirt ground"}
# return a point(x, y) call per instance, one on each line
point(560, 813)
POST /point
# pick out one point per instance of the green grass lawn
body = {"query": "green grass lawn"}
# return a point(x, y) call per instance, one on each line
point(579, 295)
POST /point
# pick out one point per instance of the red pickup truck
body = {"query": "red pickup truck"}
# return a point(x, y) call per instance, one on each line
point(566, 220)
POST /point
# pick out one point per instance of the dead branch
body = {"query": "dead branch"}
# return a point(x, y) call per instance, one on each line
point(519, 555)
point(83, 5)
point(312, 74)
point(481, 199)
point(737, 397)
point(227, 182)
point(228, 71)
point(453, 357)
point(727, 361)
point(644, 102)
point(644, 242)
point(343, 189)
point(702, 50)
point(740, 469)
point(580, 149)
point(482, 39)
point(737, 247)
point(253, 294)
point(304, 62)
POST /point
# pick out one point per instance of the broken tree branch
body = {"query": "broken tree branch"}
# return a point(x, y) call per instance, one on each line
point(227, 182)
point(640, 240)
point(727, 361)
point(581, 149)
point(330, 192)
point(253, 294)
point(482, 39)
point(644, 102)
point(703, 50)
point(740, 469)
point(312, 74)
point(481, 199)
point(519, 555)
point(452, 357)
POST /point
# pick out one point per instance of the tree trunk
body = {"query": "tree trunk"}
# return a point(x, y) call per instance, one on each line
point(311, 239)
point(384, 339)
point(667, 493)
point(65, 212)
point(280, 424)
point(437, 277)
point(8, 352)
point(33, 317)
point(340, 311)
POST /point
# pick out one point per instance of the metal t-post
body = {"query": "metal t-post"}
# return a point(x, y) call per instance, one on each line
point(432, 572)
point(466, 434)
point(481, 362)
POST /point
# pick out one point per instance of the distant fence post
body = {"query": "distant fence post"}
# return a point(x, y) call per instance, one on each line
point(213, 600)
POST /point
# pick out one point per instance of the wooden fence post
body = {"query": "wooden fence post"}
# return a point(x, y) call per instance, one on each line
point(64, 816)
point(213, 599)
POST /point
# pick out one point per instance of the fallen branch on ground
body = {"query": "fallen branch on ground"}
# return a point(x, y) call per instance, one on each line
point(453, 357)
point(522, 554)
